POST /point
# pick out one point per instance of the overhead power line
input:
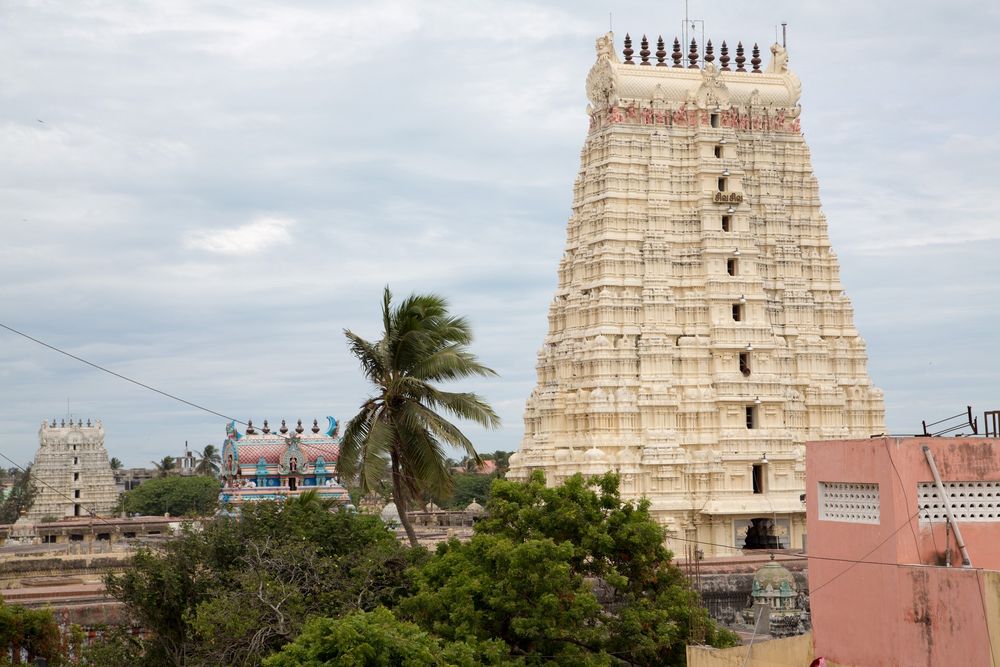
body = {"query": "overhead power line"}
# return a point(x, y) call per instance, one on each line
point(118, 375)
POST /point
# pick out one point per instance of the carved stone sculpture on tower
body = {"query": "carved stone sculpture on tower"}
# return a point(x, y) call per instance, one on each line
point(71, 472)
point(699, 335)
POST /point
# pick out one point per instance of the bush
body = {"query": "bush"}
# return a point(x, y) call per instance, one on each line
point(531, 572)
point(239, 589)
point(33, 631)
point(373, 639)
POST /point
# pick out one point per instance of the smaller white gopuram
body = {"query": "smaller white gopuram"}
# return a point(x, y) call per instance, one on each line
point(71, 472)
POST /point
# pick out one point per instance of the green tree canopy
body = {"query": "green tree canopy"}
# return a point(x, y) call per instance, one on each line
point(402, 425)
point(21, 496)
point(379, 639)
point(34, 631)
point(569, 572)
point(178, 496)
point(467, 487)
point(241, 588)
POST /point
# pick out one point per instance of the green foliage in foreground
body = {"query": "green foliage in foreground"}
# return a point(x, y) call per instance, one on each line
point(569, 575)
point(557, 576)
point(240, 589)
point(570, 572)
point(378, 638)
point(34, 631)
point(176, 495)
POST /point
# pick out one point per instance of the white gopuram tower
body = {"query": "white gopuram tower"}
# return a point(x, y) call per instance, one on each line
point(699, 335)
point(71, 472)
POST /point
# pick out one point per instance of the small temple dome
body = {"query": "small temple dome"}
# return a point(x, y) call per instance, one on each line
point(389, 513)
point(775, 586)
point(474, 508)
point(431, 507)
point(514, 458)
point(594, 455)
point(773, 574)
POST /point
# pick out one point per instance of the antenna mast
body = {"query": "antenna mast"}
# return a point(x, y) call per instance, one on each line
point(684, 35)
point(693, 25)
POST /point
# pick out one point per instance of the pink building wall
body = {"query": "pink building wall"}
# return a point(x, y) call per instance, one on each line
point(904, 607)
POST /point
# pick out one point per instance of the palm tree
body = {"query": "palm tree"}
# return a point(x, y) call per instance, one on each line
point(209, 461)
point(116, 463)
point(310, 500)
point(164, 467)
point(401, 425)
point(470, 463)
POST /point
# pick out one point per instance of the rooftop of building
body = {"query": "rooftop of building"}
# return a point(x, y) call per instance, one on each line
point(79, 424)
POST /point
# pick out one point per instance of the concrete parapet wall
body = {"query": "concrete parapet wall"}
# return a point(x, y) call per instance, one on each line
point(925, 616)
point(89, 568)
point(789, 652)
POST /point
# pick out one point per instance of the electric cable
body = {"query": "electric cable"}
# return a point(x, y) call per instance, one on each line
point(982, 601)
point(117, 375)
point(916, 543)
point(862, 560)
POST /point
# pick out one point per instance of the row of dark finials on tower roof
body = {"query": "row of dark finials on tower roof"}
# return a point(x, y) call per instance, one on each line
point(62, 423)
point(284, 429)
point(693, 55)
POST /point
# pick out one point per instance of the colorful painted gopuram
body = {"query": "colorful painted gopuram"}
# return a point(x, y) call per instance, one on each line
point(699, 334)
point(266, 465)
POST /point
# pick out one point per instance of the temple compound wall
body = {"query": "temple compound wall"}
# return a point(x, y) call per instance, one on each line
point(699, 334)
point(71, 472)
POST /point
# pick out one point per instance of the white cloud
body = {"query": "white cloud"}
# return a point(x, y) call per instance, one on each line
point(248, 239)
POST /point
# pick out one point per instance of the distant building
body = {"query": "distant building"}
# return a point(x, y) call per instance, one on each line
point(129, 478)
point(71, 472)
point(261, 465)
point(186, 462)
point(487, 467)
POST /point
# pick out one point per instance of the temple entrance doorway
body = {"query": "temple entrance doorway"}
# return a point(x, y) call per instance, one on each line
point(763, 534)
point(291, 484)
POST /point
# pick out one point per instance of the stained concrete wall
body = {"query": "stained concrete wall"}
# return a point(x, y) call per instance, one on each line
point(789, 652)
point(898, 606)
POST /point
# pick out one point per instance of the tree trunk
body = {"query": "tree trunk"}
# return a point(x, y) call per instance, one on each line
point(399, 496)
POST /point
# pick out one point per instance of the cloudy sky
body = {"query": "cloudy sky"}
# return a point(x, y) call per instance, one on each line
point(203, 194)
